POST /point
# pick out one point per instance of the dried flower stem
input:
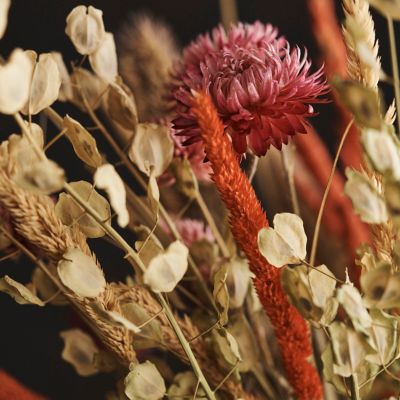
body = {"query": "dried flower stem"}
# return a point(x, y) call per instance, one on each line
point(289, 175)
point(246, 219)
point(229, 14)
point(355, 390)
point(210, 220)
point(132, 170)
point(137, 261)
point(27, 133)
point(395, 65)
point(326, 193)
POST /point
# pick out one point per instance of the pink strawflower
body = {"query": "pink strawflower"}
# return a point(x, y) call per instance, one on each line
point(262, 89)
point(191, 230)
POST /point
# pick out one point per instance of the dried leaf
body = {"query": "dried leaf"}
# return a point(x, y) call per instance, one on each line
point(114, 318)
point(46, 288)
point(15, 80)
point(221, 294)
point(329, 375)
point(79, 351)
point(167, 269)
point(243, 333)
point(107, 178)
point(186, 181)
point(366, 372)
point(383, 150)
point(382, 338)
point(80, 273)
point(19, 292)
point(285, 243)
point(89, 86)
point(184, 385)
point(41, 177)
point(349, 349)
point(226, 348)
point(121, 107)
point(85, 28)
point(65, 93)
point(350, 299)
point(204, 252)
point(151, 333)
point(104, 59)
point(151, 146)
point(20, 149)
point(70, 212)
point(45, 84)
point(239, 276)
point(311, 292)
point(153, 193)
point(148, 249)
point(366, 200)
point(381, 287)
point(83, 142)
point(4, 7)
point(387, 8)
point(361, 101)
point(144, 382)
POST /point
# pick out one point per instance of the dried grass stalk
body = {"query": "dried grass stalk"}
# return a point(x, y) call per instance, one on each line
point(140, 295)
point(33, 218)
point(357, 11)
point(147, 52)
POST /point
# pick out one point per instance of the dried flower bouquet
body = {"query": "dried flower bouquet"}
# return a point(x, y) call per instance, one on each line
point(219, 304)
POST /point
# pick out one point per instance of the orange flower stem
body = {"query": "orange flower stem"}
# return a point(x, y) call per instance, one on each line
point(246, 219)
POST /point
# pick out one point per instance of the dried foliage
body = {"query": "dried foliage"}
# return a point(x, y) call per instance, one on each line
point(229, 302)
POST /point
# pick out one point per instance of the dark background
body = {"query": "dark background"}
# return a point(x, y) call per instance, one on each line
point(30, 346)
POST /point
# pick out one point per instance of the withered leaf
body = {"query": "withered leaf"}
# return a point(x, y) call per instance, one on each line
point(15, 79)
point(151, 146)
point(120, 105)
point(83, 142)
point(107, 178)
point(285, 243)
point(79, 351)
point(70, 212)
point(104, 59)
point(144, 382)
point(45, 84)
point(19, 292)
point(81, 274)
point(166, 270)
point(85, 28)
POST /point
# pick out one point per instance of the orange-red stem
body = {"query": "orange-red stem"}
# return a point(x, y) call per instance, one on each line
point(246, 219)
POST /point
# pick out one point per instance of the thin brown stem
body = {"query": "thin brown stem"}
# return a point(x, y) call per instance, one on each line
point(326, 193)
point(211, 222)
point(134, 257)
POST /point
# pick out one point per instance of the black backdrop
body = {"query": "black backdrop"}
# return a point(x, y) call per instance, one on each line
point(30, 347)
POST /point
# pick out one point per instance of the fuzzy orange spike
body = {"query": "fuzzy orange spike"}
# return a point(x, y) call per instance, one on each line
point(11, 389)
point(246, 219)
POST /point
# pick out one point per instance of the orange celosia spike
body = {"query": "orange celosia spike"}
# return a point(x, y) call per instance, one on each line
point(246, 219)
point(329, 36)
point(11, 389)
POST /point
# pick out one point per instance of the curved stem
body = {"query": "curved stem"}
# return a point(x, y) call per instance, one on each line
point(210, 220)
point(355, 390)
point(134, 257)
point(326, 193)
point(57, 120)
point(395, 65)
